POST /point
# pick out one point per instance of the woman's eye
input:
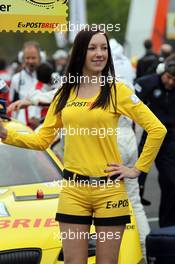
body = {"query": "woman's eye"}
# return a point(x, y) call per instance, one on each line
point(93, 48)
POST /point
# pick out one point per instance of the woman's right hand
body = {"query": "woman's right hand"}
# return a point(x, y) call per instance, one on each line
point(3, 131)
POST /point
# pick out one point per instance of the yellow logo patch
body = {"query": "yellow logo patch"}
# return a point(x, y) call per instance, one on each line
point(33, 15)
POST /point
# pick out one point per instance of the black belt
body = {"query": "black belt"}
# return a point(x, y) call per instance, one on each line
point(69, 175)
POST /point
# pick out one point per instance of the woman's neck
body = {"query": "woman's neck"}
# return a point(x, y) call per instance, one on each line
point(91, 80)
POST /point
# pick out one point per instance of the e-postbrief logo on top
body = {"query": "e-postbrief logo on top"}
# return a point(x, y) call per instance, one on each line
point(33, 15)
point(48, 4)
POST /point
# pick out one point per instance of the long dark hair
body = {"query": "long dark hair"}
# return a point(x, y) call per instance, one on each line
point(75, 68)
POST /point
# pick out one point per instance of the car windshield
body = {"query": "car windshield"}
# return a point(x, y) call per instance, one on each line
point(20, 166)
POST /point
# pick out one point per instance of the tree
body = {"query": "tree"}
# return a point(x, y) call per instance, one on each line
point(98, 12)
point(109, 12)
point(12, 42)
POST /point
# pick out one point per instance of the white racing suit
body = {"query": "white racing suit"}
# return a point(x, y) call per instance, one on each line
point(127, 144)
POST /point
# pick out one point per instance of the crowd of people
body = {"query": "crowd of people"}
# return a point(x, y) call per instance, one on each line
point(141, 97)
point(33, 72)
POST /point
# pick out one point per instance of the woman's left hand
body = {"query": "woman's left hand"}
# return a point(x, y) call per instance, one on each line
point(124, 171)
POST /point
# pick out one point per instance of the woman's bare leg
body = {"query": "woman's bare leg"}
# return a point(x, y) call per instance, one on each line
point(108, 244)
point(75, 242)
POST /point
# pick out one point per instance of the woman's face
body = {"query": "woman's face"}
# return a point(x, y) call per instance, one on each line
point(96, 56)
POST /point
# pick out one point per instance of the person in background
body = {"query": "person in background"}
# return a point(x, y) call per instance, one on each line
point(165, 51)
point(121, 62)
point(4, 89)
point(6, 76)
point(4, 72)
point(49, 81)
point(25, 81)
point(127, 143)
point(148, 63)
point(44, 76)
point(158, 92)
point(60, 58)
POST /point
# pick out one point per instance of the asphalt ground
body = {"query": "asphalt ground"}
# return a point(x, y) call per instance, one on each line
point(152, 193)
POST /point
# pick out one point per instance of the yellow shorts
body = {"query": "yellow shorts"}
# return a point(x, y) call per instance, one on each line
point(105, 204)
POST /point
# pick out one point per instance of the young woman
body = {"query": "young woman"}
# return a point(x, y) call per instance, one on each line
point(88, 109)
